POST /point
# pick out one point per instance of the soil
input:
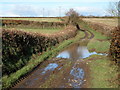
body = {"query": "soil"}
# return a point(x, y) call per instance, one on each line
point(72, 72)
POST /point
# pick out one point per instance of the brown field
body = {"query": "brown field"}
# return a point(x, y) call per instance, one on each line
point(107, 21)
point(38, 30)
point(34, 19)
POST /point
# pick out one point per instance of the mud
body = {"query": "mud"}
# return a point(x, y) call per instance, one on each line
point(77, 51)
point(67, 70)
point(40, 74)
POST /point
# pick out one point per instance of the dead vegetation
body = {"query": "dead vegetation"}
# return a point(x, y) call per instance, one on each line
point(102, 28)
point(27, 23)
point(19, 46)
point(115, 45)
point(115, 49)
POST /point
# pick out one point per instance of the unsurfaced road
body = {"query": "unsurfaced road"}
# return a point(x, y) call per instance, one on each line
point(66, 70)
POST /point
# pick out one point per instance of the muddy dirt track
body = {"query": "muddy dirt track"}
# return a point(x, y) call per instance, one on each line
point(66, 70)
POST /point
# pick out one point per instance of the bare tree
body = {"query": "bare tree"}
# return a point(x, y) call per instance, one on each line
point(114, 8)
point(73, 17)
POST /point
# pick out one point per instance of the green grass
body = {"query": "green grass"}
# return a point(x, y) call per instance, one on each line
point(95, 44)
point(82, 34)
point(9, 80)
point(39, 30)
point(35, 19)
point(98, 46)
point(97, 35)
point(103, 73)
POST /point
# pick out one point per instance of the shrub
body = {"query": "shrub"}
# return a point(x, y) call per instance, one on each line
point(115, 45)
point(14, 23)
point(19, 46)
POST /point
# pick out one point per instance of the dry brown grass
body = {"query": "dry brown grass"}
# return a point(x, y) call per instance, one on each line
point(107, 21)
point(103, 25)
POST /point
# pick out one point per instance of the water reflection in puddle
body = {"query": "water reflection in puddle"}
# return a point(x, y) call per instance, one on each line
point(64, 54)
point(50, 67)
point(76, 51)
point(60, 68)
point(78, 76)
point(39, 75)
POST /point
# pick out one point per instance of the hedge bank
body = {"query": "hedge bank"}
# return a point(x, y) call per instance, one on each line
point(19, 46)
point(115, 45)
point(27, 23)
point(102, 28)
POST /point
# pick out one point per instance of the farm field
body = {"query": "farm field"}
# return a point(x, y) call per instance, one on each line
point(59, 44)
point(35, 28)
point(81, 60)
point(107, 21)
point(35, 19)
point(38, 30)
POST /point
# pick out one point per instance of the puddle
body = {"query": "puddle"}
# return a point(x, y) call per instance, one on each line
point(84, 53)
point(74, 77)
point(64, 54)
point(39, 76)
point(60, 68)
point(50, 67)
point(76, 51)
point(78, 76)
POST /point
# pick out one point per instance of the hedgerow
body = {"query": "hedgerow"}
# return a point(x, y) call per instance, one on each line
point(115, 45)
point(26, 23)
point(19, 46)
point(102, 28)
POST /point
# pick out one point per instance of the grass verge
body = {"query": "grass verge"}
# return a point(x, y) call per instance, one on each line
point(100, 47)
point(99, 43)
point(103, 74)
point(97, 35)
point(10, 80)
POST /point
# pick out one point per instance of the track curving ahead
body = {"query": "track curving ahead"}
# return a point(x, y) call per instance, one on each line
point(88, 34)
point(38, 77)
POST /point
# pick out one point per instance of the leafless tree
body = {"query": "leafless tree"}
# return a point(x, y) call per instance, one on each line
point(114, 8)
point(73, 17)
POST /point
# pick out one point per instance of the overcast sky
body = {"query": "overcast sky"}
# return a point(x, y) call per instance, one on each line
point(39, 8)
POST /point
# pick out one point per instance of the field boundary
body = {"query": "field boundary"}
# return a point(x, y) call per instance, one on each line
point(102, 28)
point(19, 46)
point(32, 23)
point(15, 77)
point(115, 46)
